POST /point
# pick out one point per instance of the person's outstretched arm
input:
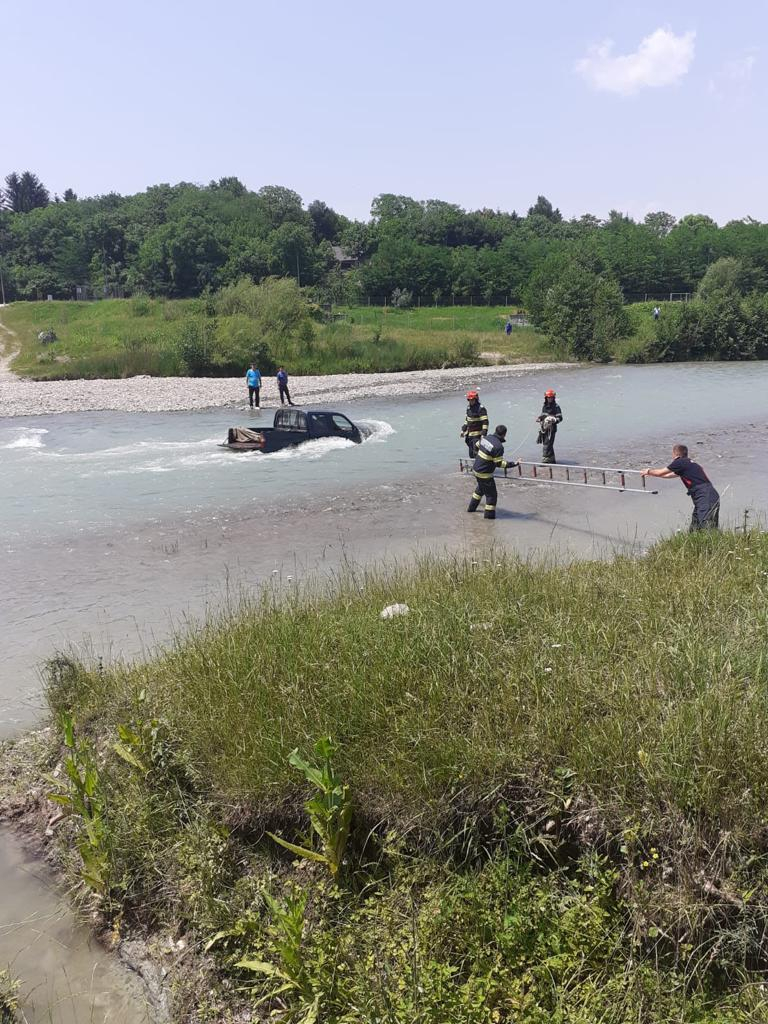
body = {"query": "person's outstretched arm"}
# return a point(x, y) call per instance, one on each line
point(664, 473)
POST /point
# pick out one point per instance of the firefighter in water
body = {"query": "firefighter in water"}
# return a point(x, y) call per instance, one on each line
point(489, 458)
point(551, 415)
point(475, 423)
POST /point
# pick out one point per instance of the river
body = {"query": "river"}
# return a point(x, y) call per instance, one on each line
point(119, 527)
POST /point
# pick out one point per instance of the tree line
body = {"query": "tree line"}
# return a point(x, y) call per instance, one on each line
point(179, 240)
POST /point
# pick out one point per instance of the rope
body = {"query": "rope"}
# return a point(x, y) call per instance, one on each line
point(516, 450)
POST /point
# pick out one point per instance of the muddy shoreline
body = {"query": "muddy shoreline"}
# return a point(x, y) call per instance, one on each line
point(29, 822)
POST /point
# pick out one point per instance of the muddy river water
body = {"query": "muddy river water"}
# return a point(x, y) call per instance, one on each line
point(117, 527)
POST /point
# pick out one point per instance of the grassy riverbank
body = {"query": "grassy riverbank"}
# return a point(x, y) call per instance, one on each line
point(120, 338)
point(558, 783)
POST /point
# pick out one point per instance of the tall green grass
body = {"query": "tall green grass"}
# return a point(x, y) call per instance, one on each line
point(121, 338)
point(644, 679)
point(558, 774)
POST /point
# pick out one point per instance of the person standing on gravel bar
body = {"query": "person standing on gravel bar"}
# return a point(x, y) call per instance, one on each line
point(490, 457)
point(551, 415)
point(706, 500)
point(282, 384)
point(253, 379)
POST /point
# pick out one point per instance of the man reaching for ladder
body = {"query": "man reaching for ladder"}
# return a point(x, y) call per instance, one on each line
point(706, 500)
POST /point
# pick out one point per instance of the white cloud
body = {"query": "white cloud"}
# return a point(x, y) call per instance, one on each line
point(661, 59)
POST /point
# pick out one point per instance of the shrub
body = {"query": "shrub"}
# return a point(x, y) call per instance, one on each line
point(195, 349)
point(465, 351)
point(141, 305)
point(402, 298)
point(584, 312)
point(237, 344)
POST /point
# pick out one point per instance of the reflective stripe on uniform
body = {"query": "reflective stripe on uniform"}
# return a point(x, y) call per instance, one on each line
point(489, 508)
point(488, 458)
point(476, 496)
point(483, 476)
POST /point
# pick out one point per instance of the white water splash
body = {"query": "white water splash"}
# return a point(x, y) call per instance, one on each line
point(28, 438)
point(376, 430)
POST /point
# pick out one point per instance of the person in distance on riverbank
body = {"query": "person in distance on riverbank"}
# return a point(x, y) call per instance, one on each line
point(489, 458)
point(551, 415)
point(282, 384)
point(475, 423)
point(253, 380)
point(706, 500)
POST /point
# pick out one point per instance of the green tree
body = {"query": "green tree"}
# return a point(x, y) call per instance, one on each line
point(584, 313)
point(543, 208)
point(326, 223)
point(724, 275)
point(660, 223)
point(24, 193)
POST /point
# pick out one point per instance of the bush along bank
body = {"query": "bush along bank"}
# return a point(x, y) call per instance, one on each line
point(539, 796)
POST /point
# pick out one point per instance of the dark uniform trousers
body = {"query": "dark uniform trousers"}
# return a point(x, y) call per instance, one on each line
point(548, 435)
point(706, 511)
point(484, 489)
point(490, 457)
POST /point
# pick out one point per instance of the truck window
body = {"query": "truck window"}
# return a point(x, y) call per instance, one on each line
point(290, 419)
point(342, 423)
point(321, 424)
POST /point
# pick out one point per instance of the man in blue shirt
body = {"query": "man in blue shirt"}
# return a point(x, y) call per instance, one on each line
point(282, 384)
point(253, 379)
point(706, 500)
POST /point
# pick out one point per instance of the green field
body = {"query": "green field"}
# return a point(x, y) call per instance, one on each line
point(557, 776)
point(120, 338)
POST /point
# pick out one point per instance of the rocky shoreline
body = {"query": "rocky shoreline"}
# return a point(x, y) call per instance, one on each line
point(20, 397)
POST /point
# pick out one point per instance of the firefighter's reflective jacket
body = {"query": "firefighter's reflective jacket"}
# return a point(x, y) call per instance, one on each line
point(475, 422)
point(489, 458)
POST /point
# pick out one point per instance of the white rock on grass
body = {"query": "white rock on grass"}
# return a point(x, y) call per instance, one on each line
point(392, 611)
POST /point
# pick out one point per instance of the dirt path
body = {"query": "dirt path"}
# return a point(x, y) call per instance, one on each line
point(7, 351)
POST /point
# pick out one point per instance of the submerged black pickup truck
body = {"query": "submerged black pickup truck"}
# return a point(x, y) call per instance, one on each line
point(292, 427)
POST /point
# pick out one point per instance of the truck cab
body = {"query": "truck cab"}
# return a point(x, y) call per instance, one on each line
point(292, 427)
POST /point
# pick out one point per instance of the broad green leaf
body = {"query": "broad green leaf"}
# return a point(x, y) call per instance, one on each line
point(261, 967)
point(127, 755)
point(300, 851)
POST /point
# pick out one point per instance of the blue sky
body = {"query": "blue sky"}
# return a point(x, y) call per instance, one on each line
point(596, 105)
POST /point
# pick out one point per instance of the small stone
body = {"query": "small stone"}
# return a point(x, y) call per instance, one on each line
point(392, 611)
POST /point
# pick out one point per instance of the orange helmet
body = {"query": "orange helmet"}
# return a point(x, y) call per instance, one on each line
point(472, 395)
point(549, 393)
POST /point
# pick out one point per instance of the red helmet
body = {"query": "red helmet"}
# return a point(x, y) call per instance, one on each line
point(472, 395)
point(549, 393)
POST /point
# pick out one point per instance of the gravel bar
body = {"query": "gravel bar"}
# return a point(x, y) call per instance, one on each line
point(20, 397)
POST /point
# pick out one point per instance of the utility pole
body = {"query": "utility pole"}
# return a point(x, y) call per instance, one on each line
point(298, 275)
point(2, 283)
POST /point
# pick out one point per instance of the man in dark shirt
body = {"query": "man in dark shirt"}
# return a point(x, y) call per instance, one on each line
point(706, 500)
